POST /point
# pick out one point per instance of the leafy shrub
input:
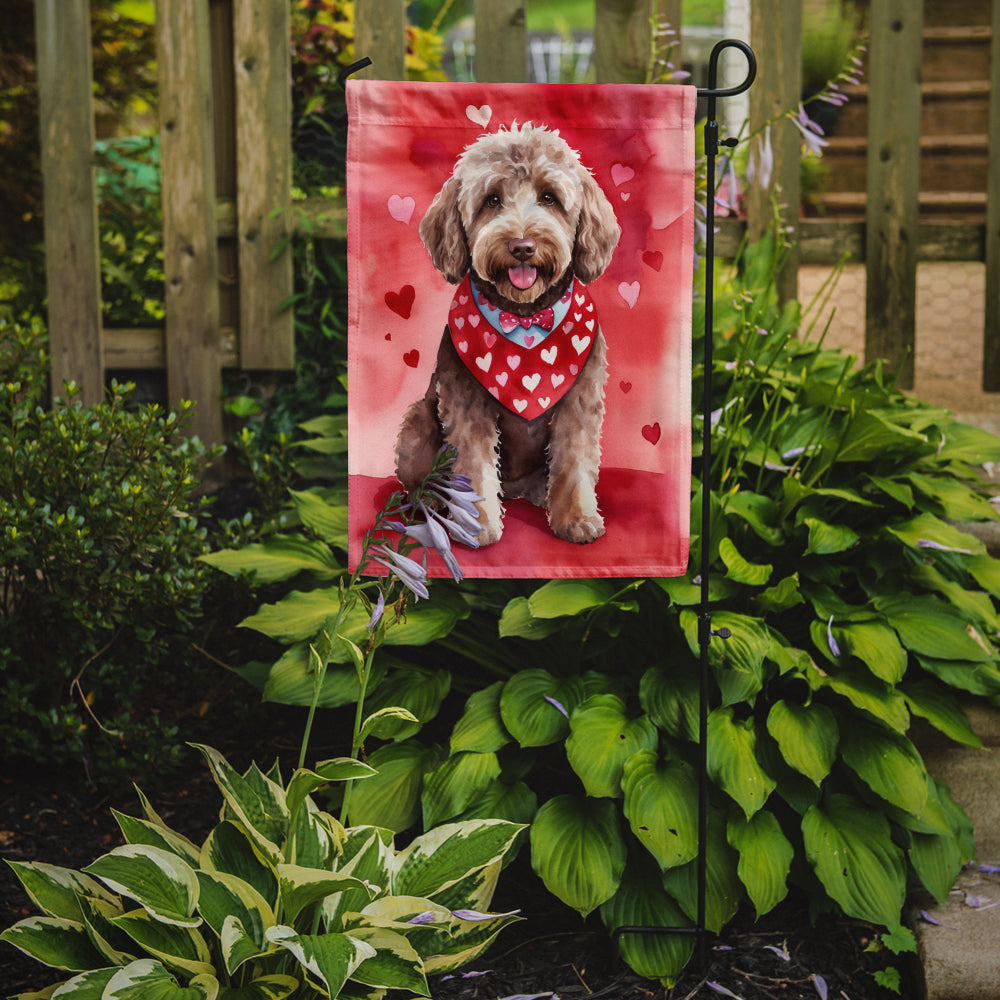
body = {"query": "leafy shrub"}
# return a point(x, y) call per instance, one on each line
point(279, 899)
point(99, 540)
point(854, 602)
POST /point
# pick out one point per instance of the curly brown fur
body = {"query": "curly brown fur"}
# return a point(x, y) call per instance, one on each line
point(524, 215)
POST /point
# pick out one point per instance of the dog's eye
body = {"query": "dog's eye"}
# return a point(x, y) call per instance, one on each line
point(493, 201)
point(547, 198)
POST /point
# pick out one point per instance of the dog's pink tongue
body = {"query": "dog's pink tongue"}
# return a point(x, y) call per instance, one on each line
point(522, 276)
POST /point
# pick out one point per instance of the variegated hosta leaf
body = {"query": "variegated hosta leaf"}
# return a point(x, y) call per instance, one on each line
point(535, 706)
point(850, 847)
point(274, 987)
point(158, 880)
point(147, 979)
point(391, 799)
point(476, 890)
point(328, 959)
point(304, 782)
point(225, 897)
point(56, 891)
point(888, 763)
point(367, 853)
point(642, 902)
point(116, 946)
point(602, 737)
point(315, 838)
point(441, 857)
point(395, 964)
point(723, 889)
point(661, 805)
point(481, 727)
point(456, 784)
point(54, 941)
point(86, 986)
point(300, 887)
point(578, 851)
point(256, 801)
point(141, 831)
point(230, 849)
point(177, 947)
point(807, 736)
point(732, 760)
point(466, 941)
point(765, 858)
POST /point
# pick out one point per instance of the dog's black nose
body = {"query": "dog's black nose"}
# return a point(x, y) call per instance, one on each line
point(521, 249)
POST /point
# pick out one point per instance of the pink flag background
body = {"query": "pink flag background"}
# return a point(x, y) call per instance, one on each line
point(638, 142)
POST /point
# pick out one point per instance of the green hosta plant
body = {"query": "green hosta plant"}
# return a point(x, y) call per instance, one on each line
point(855, 605)
point(279, 900)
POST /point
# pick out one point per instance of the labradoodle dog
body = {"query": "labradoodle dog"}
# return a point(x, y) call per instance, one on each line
point(521, 227)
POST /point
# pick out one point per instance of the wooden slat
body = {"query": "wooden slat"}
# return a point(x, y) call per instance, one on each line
point(72, 257)
point(893, 184)
point(621, 40)
point(991, 332)
point(144, 348)
point(190, 254)
point(380, 34)
point(262, 62)
point(776, 36)
point(501, 36)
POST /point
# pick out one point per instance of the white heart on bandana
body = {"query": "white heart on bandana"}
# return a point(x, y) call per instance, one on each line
point(501, 378)
point(485, 361)
point(530, 382)
point(459, 322)
point(513, 361)
point(580, 344)
point(543, 402)
point(463, 346)
point(520, 405)
point(557, 380)
point(549, 354)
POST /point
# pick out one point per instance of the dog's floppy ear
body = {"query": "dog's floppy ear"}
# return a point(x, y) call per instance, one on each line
point(596, 234)
point(443, 234)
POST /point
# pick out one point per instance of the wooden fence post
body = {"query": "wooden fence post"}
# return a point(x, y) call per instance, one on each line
point(622, 41)
point(190, 251)
point(501, 41)
point(991, 332)
point(776, 35)
point(262, 61)
point(72, 255)
point(892, 214)
point(380, 34)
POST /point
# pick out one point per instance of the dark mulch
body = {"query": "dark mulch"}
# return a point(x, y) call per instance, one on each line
point(551, 951)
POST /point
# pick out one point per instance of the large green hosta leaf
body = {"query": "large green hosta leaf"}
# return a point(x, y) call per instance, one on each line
point(559, 598)
point(739, 569)
point(391, 798)
point(641, 901)
point(578, 851)
point(807, 736)
point(416, 689)
point(850, 847)
point(602, 738)
point(671, 700)
point(535, 706)
point(926, 528)
point(732, 760)
point(932, 628)
point(765, 858)
point(941, 709)
point(481, 727)
point(888, 763)
point(876, 645)
point(738, 661)
point(661, 806)
point(279, 558)
point(456, 784)
point(723, 889)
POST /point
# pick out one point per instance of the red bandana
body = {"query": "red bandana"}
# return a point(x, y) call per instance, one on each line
point(530, 379)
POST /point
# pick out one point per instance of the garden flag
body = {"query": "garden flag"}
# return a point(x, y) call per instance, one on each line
point(520, 271)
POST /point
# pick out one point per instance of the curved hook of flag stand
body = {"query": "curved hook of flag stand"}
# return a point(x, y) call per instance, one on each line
point(705, 631)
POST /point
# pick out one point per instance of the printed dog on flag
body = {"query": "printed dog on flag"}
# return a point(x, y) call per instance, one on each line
point(521, 227)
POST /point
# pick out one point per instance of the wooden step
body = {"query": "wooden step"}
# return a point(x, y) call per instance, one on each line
point(947, 162)
point(956, 53)
point(958, 206)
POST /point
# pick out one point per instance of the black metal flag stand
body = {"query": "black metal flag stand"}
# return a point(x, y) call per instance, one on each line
point(705, 631)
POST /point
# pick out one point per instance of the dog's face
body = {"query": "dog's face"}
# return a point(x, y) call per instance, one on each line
point(523, 212)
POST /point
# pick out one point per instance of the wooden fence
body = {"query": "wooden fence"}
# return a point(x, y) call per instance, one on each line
point(226, 161)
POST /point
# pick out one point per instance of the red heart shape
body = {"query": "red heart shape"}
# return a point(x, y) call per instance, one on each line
point(625, 386)
point(401, 302)
point(651, 432)
point(388, 336)
point(653, 258)
point(412, 358)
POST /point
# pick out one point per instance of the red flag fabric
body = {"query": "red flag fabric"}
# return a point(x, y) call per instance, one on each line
point(520, 271)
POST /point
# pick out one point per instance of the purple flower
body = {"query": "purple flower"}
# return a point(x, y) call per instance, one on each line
point(377, 611)
point(820, 983)
point(475, 915)
point(427, 917)
point(558, 705)
point(761, 163)
point(927, 543)
point(719, 988)
point(834, 648)
point(811, 132)
point(780, 952)
point(410, 573)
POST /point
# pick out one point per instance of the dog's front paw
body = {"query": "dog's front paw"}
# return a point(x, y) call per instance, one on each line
point(580, 530)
